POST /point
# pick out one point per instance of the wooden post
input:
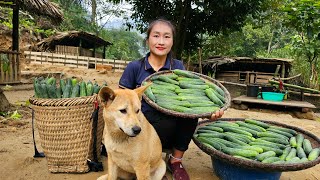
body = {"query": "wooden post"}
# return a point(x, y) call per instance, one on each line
point(283, 70)
point(94, 51)
point(104, 52)
point(200, 65)
point(15, 27)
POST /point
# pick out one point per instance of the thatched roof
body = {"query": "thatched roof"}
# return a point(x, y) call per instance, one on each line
point(38, 7)
point(71, 38)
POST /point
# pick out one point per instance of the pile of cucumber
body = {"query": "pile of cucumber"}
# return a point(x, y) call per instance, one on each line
point(258, 141)
point(51, 88)
point(185, 92)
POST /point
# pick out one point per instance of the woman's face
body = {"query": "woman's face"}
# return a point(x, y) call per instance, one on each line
point(160, 39)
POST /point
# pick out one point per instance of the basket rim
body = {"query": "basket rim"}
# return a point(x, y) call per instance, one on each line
point(252, 164)
point(185, 115)
point(62, 101)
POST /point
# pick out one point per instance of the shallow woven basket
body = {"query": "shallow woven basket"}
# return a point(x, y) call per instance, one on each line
point(268, 167)
point(187, 115)
point(65, 129)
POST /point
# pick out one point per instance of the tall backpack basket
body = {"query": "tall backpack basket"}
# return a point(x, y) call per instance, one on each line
point(66, 133)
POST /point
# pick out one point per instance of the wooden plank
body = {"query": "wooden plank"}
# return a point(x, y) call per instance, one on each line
point(287, 103)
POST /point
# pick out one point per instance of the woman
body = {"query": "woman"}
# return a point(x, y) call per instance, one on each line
point(175, 133)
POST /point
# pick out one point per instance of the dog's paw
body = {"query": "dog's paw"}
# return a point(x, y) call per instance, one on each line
point(104, 177)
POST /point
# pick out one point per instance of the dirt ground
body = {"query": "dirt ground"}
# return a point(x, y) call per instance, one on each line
point(16, 144)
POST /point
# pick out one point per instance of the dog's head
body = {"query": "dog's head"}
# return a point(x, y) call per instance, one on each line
point(122, 108)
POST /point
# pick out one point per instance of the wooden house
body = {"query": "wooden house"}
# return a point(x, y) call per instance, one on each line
point(245, 70)
point(75, 43)
point(9, 58)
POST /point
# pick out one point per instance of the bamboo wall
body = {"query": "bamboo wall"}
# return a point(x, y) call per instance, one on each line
point(9, 67)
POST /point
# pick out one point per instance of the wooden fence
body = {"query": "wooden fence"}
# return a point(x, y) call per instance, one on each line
point(73, 61)
point(9, 67)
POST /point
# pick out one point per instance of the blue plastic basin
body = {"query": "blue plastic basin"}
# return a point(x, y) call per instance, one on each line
point(226, 171)
point(272, 96)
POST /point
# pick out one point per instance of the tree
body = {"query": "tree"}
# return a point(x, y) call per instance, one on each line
point(304, 17)
point(194, 17)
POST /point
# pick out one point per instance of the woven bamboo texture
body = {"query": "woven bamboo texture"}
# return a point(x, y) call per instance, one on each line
point(250, 164)
point(186, 115)
point(65, 130)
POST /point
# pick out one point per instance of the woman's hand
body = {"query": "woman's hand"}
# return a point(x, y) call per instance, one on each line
point(216, 115)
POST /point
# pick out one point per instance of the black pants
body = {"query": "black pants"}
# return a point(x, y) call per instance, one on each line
point(174, 132)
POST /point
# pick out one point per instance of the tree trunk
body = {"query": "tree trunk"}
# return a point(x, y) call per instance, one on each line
point(94, 11)
point(181, 27)
point(4, 103)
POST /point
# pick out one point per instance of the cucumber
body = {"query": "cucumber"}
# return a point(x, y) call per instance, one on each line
point(216, 88)
point(280, 132)
point(212, 128)
point(211, 135)
point(271, 160)
point(293, 141)
point(190, 79)
point(265, 155)
point(280, 146)
point(190, 91)
point(240, 152)
point(67, 91)
point(52, 91)
point(292, 154)
point(214, 144)
point(285, 153)
point(164, 87)
point(37, 89)
point(205, 131)
point(271, 134)
point(163, 92)
point(201, 110)
point(51, 81)
point(192, 86)
point(150, 94)
point(267, 148)
point(172, 76)
point(96, 88)
point(75, 91)
point(209, 92)
point(253, 132)
point(307, 147)
point(74, 82)
point(165, 79)
point(241, 157)
point(241, 137)
point(314, 154)
point(303, 160)
point(235, 140)
point(293, 160)
point(173, 107)
point(185, 73)
point(251, 126)
point(300, 152)
point(258, 123)
point(291, 131)
point(44, 90)
point(276, 140)
point(236, 130)
point(192, 82)
point(89, 88)
point(266, 144)
point(59, 92)
point(300, 139)
point(226, 142)
point(254, 148)
point(165, 83)
point(83, 89)
point(228, 123)
point(62, 84)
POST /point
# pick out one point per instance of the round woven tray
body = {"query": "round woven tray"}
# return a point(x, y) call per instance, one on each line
point(185, 115)
point(66, 134)
point(251, 164)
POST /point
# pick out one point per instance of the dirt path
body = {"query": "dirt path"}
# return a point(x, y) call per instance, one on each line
point(16, 145)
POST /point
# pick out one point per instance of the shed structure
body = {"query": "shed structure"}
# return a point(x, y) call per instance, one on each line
point(246, 70)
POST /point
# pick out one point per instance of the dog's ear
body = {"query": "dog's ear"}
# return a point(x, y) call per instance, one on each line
point(106, 95)
point(141, 90)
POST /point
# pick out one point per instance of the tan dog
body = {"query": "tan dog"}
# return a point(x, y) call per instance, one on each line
point(133, 146)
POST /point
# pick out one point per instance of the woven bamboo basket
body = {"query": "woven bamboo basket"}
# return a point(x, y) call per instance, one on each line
point(186, 115)
point(255, 165)
point(66, 134)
